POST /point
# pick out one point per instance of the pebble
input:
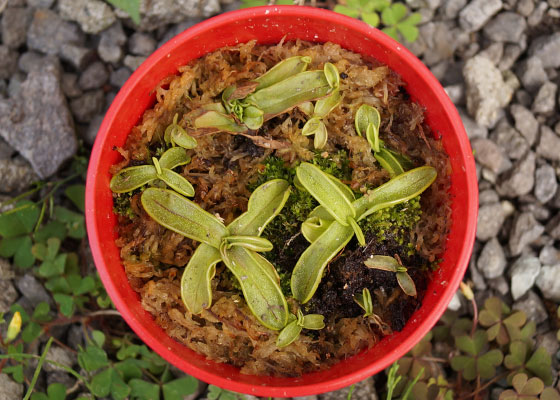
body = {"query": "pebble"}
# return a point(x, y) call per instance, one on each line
point(548, 282)
point(77, 56)
point(477, 13)
point(40, 3)
point(540, 212)
point(488, 196)
point(69, 84)
point(511, 54)
point(29, 60)
point(60, 377)
point(92, 15)
point(553, 227)
point(455, 303)
point(509, 141)
point(506, 27)
point(141, 44)
point(17, 174)
point(490, 220)
point(520, 179)
point(451, 8)
point(8, 295)
point(487, 93)
point(549, 144)
point(525, 230)
point(547, 49)
point(545, 101)
point(523, 274)
point(61, 356)
point(48, 33)
point(494, 52)
point(549, 342)
point(32, 289)
point(549, 255)
point(531, 73)
point(492, 260)
point(94, 76)
point(15, 21)
point(40, 99)
point(545, 183)
point(362, 390)
point(487, 153)
point(119, 76)
point(10, 390)
point(500, 285)
point(537, 15)
point(111, 44)
point(85, 107)
point(133, 62)
point(525, 7)
point(525, 122)
point(8, 62)
point(473, 129)
point(92, 129)
point(533, 307)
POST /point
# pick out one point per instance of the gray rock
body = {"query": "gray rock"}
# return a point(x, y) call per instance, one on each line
point(40, 3)
point(75, 337)
point(61, 356)
point(549, 144)
point(547, 49)
point(6, 151)
point(119, 77)
point(500, 285)
point(506, 27)
point(29, 60)
point(537, 15)
point(487, 93)
point(94, 76)
point(523, 274)
point(549, 342)
point(8, 295)
point(60, 377)
point(10, 390)
point(17, 175)
point(548, 282)
point(455, 303)
point(133, 62)
point(32, 289)
point(478, 280)
point(511, 54)
point(178, 28)
point(93, 128)
point(490, 220)
point(531, 73)
point(69, 84)
point(451, 8)
point(488, 196)
point(141, 44)
point(456, 93)
point(549, 255)
point(438, 49)
point(85, 107)
point(492, 261)
point(111, 44)
point(488, 154)
point(510, 141)
point(92, 15)
point(362, 390)
point(14, 87)
point(494, 52)
point(520, 179)
point(48, 33)
point(554, 3)
point(15, 21)
point(477, 13)
point(540, 212)
point(533, 307)
point(545, 183)
point(525, 7)
point(77, 56)
point(524, 231)
point(8, 62)
point(553, 227)
point(473, 129)
point(546, 98)
point(523, 98)
point(158, 13)
point(525, 122)
point(37, 123)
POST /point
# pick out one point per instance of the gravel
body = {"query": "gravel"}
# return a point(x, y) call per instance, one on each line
point(49, 33)
point(10, 390)
point(526, 229)
point(545, 183)
point(547, 49)
point(533, 307)
point(92, 15)
point(545, 101)
point(525, 122)
point(548, 282)
point(549, 144)
point(477, 13)
point(531, 73)
point(490, 220)
point(94, 76)
point(506, 27)
point(492, 260)
point(524, 273)
point(32, 289)
point(14, 26)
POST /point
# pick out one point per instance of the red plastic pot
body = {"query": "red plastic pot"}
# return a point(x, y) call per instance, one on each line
point(270, 25)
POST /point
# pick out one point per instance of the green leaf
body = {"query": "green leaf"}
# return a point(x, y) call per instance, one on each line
point(31, 332)
point(177, 182)
point(143, 390)
point(260, 289)
point(183, 216)
point(331, 73)
point(313, 227)
point(92, 358)
point(472, 346)
point(265, 203)
point(409, 32)
point(365, 116)
point(371, 18)
point(309, 268)
point(53, 229)
point(314, 321)
point(413, 19)
point(550, 393)
point(392, 31)
point(15, 223)
point(383, 263)
point(66, 303)
point(178, 388)
point(131, 7)
point(326, 192)
point(9, 246)
point(129, 369)
point(254, 243)
point(351, 12)
point(218, 121)
point(56, 391)
point(487, 363)
point(101, 383)
point(517, 355)
point(465, 364)
point(41, 312)
point(288, 334)
point(539, 364)
point(87, 285)
point(55, 267)
point(406, 283)
point(196, 290)
point(282, 70)
point(77, 195)
point(16, 371)
point(324, 106)
point(98, 338)
point(75, 222)
point(174, 157)
point(128, 179)
point(389, 162)
point(23, 257)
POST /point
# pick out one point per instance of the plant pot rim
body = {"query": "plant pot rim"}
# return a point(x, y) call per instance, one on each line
point(100, 223)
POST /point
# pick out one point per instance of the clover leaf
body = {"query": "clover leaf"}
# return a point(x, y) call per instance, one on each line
point(367, 10)
point(538, 364)
point(524, 388)
point(476, 361)
point(390, 264)
point(502, 326)
point(396, 22)
point(16, 227)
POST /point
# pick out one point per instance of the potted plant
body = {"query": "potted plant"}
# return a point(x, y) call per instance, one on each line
point(241, 243)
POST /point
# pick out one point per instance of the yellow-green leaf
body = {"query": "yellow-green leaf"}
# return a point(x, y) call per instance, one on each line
point(196, 289)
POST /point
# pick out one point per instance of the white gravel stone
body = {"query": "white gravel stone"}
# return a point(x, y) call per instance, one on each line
point(477, 13)
point(548, 282)
point(92, 15)
point(545, 101)
point(545, 183)
point(492, 260)
point(506, 27)
point(520, 179)
point(533, 307)
point(525, 122)
point(524, 231)
point(524, 273)
point(490, 220)
point(549, 144)
point(547, 48)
